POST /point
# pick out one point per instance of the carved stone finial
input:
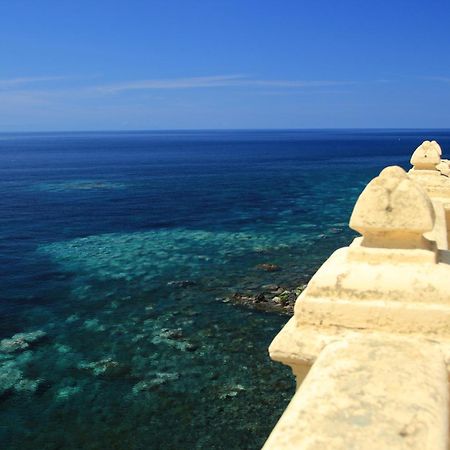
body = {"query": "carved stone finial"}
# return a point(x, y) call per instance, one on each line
point(427, 156)
point(393, 212)
point(437, 147)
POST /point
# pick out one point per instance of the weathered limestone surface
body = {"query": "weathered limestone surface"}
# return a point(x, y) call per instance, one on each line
point(371, 332)
point(444, 168)
point(369, 393)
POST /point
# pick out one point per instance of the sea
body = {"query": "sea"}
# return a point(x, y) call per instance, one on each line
point(119, 253)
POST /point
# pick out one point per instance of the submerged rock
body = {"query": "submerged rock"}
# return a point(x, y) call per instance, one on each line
point(232, 392)
point(174, 338)
point(25, 385)
point(269, 267)
point(104, 367)
point(12, 380)
point(10, 376)
point(21, 341)
point(159, 379)
point(67, 391)
point(93, 325)
point(72, 318)
point(13, 344)
point(147, 257)
point(181, 283)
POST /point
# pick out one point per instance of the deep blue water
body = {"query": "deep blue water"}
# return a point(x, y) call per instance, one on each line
point(95, 226)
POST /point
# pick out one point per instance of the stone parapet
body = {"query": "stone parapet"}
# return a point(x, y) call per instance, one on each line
point(371, 392)
point(383, 299)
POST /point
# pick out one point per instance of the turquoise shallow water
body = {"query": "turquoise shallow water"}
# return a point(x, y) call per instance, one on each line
point(99, 230)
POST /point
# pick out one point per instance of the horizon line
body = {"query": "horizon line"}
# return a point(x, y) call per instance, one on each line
point(157, 130)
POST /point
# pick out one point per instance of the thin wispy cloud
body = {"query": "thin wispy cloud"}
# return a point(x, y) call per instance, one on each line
point(441, 79)
point(214, 81)
point(172, 83)
point(47, 90)
point(23, 81)
point(295, 83)
point(287, 92)
point(201, 82)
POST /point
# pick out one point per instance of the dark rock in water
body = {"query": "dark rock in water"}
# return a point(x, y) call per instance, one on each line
point(287, 297)
point(259, 298)
point(181, 283)
point(268, 267)
point(299, 289)
point(190, 347)
point(5, 394)
point(214, 376)
point(280, 300)
point(168, 333)
point(43, 386)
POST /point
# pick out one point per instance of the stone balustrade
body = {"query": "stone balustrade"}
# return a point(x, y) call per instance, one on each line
point(369, 342)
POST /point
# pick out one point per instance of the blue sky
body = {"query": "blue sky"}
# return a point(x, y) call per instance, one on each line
point(120, 65)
